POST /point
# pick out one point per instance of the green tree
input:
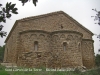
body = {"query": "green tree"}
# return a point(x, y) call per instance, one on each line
point(25, 1)
point(2, 48)
point(97, 60)
point(7, 11)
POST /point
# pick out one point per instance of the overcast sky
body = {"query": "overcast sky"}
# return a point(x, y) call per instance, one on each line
point(80, 10)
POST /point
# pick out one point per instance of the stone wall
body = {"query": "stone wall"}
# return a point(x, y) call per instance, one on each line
point(12, 46)
point(50, 49)
point(51, 31)
point(87, 53)
point(56, 22)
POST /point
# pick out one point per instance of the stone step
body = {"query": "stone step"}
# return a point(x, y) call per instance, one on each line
point(9, 65)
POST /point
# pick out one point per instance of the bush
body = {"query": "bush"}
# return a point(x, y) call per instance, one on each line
point(2, 70)
point(97, 60)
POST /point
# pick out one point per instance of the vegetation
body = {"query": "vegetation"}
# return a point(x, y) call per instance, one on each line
point(7, 11)
point(25, 1)
point(97, 60)
point(2, 53)
point(90, 72)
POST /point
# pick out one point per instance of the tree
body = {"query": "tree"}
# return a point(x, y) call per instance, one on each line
point(25, 1)
point(6, 12)
point(2, 48)
point(97, 17)
point(97, 60)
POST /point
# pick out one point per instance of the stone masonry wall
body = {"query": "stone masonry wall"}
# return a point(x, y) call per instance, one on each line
point(72, 54)
point(87, 53)
point(50, 44)
point(19, 44)
point(11, 47)
point(53, 23)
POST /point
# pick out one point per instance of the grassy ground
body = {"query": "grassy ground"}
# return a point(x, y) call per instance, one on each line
point(43, 72)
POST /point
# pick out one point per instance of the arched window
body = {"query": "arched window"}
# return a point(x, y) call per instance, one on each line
point(35, 45)
point(64, 46)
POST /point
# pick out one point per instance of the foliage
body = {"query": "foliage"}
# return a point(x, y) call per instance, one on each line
point(2, 53)
point(97, 60)
point(25, 1)
point(2, 70)
point(6, 12)
point(97, 17)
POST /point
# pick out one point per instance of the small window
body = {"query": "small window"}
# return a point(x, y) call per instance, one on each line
point(35, 45)
point(64, 46)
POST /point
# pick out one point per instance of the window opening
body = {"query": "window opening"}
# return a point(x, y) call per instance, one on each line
point(35, 45)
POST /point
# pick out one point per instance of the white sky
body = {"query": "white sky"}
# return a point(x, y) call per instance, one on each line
point(80, 10)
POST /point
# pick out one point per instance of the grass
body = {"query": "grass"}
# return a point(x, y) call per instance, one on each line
point(44, 72)
point(2, 71)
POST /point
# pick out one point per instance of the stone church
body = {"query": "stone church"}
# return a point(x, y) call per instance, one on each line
point(53, 40)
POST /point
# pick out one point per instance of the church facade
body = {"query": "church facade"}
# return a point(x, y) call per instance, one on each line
point(53, 40)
